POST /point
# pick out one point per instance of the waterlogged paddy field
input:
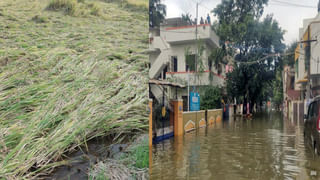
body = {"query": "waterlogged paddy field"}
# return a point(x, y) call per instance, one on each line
point(66, 79)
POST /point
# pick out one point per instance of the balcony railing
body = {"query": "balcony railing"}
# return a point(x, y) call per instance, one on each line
point(196, 79)
point(177, 35)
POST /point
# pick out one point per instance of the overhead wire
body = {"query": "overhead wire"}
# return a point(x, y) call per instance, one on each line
point(280, 3)
point(293, 4)
point(263, 58)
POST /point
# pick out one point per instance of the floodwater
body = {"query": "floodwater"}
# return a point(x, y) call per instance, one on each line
point(264, 147)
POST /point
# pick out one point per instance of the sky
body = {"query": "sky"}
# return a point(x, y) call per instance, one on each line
point(290, 16)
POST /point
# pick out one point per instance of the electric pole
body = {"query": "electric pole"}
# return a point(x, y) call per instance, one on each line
point(197, 50)
point(195, 61)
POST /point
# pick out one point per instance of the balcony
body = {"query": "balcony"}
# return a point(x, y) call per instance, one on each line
point(184, 34)
point(195, 79)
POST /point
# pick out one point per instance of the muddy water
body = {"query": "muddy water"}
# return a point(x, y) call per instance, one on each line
point(265, 147)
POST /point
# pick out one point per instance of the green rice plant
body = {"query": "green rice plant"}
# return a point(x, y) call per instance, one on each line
point(136, 5)
point(95, 10)
point(140, 154)
point(68, 6)
point(59, 88)
point(139, 3)
point(39, 19)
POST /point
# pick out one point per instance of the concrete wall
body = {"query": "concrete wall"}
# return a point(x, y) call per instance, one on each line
point(301, 65)
point(200, 79)
point(179, 51)
point(176, 35)
point(193, 120)
point(315, 49)
point(197, 119)
point(214, 116)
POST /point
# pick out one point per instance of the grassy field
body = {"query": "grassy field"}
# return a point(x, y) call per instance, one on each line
point(68, 75)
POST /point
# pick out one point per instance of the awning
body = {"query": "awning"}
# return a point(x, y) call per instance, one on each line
point(302, 81)
point(166, 83)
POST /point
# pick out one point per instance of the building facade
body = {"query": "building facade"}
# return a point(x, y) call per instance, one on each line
point(307, 61)
point(173, 50)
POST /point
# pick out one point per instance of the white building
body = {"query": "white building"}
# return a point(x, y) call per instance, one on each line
point(307, 60)
point(168, 48)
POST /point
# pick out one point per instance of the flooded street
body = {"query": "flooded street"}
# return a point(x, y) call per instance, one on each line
point(264, 147)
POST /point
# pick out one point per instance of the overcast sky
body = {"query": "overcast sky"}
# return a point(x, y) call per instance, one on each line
point(289, 16)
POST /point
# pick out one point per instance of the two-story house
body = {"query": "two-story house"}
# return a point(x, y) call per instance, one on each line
point(171, 46)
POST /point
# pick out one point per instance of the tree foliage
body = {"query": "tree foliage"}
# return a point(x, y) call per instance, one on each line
point(234, 15)
point(157, 13)
point(277, 90)
point(218, 57)
point(240, 25)
point(289, 59)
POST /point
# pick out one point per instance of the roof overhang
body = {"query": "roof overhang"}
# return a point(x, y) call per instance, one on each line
point(152, 51)
point(302, 81)
point(166, 83)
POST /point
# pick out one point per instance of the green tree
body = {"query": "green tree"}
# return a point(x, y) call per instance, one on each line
point(157, 13)
point(277, 90)
point(252, 39)
point(218, 57)
point(234, 16)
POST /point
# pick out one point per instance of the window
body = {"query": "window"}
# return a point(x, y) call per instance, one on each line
point(185, 103)
point(310, 110)
point(209, 64)
point(165, 70)
point(174, 64)
point(190, 62)
point(292, 83)
point(315, 110)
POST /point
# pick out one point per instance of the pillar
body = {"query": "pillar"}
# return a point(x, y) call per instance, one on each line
point(150, 134)
point(150, 122)
point(178, 118)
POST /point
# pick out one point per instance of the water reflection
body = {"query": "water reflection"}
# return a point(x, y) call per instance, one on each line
point(265, 147)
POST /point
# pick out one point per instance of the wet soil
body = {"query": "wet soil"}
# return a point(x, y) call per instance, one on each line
point(84, 158)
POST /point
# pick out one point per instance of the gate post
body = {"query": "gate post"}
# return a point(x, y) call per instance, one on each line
point(177, 117)
point(150, 134)
point(150, 122)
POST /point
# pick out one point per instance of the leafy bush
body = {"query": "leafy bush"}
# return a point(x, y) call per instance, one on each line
point(210, 98)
